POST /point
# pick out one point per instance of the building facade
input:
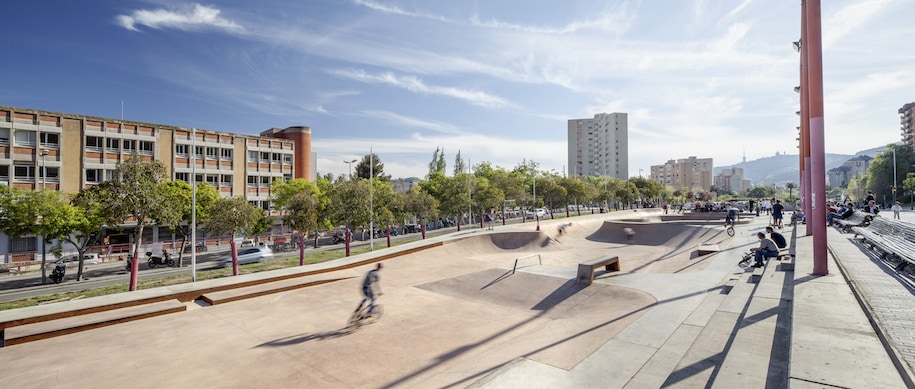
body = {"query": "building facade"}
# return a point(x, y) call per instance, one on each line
point(69, 152)
point(907, 124)
point(731, 180)
point(599, 146)
point(692, 173)
point(839, 176)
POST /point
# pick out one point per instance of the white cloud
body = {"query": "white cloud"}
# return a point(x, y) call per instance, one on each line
point(416, 85)
point(401, 120)
point(187, 18)
point(395, 10)
point(850, 18)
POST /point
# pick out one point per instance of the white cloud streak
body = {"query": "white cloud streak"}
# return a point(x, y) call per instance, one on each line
point(188, 18)
point(416, 85)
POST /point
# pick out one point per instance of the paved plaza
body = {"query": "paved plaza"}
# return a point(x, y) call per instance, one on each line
point(460, 314)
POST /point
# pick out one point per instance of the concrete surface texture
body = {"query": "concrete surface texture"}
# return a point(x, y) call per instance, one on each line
point(457, 316)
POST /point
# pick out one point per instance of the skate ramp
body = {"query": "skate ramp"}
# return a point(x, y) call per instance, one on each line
point(565, 322)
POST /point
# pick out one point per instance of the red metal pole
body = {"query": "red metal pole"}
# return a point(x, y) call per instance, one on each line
point(814, 52)
point(804, 151)
point(389, 234)
point(234, 251)
point(301, 249)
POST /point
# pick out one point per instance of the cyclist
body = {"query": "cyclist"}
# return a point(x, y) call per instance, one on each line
point(369, 285)
point(731, 217)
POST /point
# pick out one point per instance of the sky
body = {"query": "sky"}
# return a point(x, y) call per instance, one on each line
point(494, 80)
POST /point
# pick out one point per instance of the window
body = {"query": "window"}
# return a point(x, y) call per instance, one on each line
point(19, 245)
point(25, 138)
point(213, 179)
point(146, 146)
point(227, 179)
point(252, 156)
point(50, 139)
point(4, 172)
point(51, 173)
point(211, 152)
point(93, 175)
point(252, 181)
point(226, 154)
point(277, 158)
point(265, 205)
point(109, 174)
point(198, 152)
point(181, 150)
point(265, 156)
point(93, 142)
point(198, 178)
point(112, 144)
point(287, 158)
point(129, 145)
point(265, 181)
point(5, 137)
point(183, 177)
point(24, 172)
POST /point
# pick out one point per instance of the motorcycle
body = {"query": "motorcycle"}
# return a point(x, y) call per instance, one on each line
point(154, 261)
point(57, 275)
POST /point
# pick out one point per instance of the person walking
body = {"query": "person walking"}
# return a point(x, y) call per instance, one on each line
point(777, 210)
point(897, 207)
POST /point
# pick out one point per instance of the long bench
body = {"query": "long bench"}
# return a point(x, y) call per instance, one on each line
point(857, 219)
point(892, 238)
point(586, 269)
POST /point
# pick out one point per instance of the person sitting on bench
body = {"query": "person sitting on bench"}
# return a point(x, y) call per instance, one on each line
point(766, 249)
point(777, 237)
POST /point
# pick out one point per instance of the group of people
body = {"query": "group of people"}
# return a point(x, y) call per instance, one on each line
point(768, 246)
point(847, 208)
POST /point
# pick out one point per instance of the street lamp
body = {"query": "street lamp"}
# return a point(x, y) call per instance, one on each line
point(44, 172)
point(894, 175)
point(350, 168)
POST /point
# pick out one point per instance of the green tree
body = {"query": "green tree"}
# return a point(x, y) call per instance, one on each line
point(137, 193)
point(182, 192)
point(300, 202)
point(236, 217)
point(349, 204)
point(486, 196)
point(371, 165)
point(454, 198)
point(909, 185)
point(762, 192)
point(880, 179)
point(418, 202)
point(551, 193)
point(459, 165)
point(437, 165)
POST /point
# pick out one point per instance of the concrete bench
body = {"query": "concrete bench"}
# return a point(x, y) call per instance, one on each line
point(586, 269)
point(64, 325)
point(857, 219)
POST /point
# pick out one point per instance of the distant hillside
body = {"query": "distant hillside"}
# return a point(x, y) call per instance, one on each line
point(779, 169)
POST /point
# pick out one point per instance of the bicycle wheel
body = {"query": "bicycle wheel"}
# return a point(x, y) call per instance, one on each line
point(730, 230)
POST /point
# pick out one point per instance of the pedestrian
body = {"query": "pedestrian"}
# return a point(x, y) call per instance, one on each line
point(897, 207)
point(630, 235)
point(777, 210)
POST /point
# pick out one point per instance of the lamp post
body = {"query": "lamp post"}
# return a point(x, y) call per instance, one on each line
point(44, 170)
point(894, 175)
point(350, 168)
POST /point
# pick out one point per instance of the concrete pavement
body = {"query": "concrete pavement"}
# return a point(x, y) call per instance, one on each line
point(457, 317)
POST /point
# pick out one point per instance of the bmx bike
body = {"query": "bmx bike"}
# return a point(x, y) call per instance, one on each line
point(745, 262)
point(729, 227)
point(361, 316)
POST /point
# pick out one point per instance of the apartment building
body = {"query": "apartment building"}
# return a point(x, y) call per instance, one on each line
point(731, 180)
point(599, 146)
point(692, 173)
point(69, 152)
point(907, 124)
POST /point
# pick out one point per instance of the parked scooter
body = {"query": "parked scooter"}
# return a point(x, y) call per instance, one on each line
point(57, 275)
point(165, 260)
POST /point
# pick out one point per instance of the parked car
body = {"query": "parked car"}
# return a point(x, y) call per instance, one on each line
point(201, 248)
point(248, 255)
point(535, 213)
point(70, 261)
point(247, 243)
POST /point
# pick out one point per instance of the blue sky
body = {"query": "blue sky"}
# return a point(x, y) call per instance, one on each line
point(496, 80)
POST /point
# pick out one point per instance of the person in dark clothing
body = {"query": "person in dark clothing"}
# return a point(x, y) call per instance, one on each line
point(369, 285)
point(871, 208)
point(777, 210)
point(777, 237)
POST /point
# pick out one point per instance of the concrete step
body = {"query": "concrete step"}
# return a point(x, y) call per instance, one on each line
point(225, 296)
point(69, 325)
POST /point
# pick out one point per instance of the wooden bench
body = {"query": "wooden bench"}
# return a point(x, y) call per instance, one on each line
point(857, 219)
point(891, 238)
point(586, 269)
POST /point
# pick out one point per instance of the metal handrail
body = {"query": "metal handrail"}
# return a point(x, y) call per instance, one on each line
point(526, 256)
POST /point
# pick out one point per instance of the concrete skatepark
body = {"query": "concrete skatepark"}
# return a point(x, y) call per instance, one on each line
point(457, 315)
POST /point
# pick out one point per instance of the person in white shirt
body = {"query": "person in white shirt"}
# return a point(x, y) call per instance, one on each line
point(896, 209)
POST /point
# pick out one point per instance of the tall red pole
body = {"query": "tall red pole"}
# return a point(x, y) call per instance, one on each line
point(805, 125)
point(814, 52)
